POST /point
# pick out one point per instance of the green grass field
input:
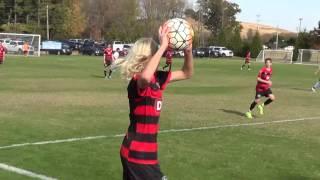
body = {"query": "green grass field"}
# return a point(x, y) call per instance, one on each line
point(59, 97)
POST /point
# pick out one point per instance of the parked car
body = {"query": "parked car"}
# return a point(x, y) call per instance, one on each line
point(92, 49)
point(178, 53)
point(202, 52)
point(125, 50)
point(16, 47)
point(77, 43)
point(120, 45)
point(222, 51)
point(289, 48)
point(72, 45)
point(117, 45)
point(5, 41)
point(214, 53)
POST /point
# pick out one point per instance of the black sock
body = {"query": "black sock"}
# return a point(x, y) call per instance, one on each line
point(110, 72)
point(253, 105)
point(248, 66)
point(268, 101)
point(105, 73)
point(243, 66)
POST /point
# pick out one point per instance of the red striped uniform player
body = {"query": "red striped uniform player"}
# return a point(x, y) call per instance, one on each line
point(108, 58)
point(139, 150)
point(3, 51)
point(263, 88)
point(247, 60)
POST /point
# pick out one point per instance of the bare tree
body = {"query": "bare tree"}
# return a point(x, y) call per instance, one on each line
point(96, 13)
point(155, 12)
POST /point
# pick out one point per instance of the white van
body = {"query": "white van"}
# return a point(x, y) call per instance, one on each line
point(117, 45)
point(223, 51)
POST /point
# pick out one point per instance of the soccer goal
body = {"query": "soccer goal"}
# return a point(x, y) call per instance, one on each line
point(308, 56)
point(14, 43)
point(282, 56)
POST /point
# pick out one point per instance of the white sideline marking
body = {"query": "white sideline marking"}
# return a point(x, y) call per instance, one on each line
point(24, 172)
point(163, 131)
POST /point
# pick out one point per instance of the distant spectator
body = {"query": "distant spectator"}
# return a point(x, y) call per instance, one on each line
point(247, 60)
point(3, 51)
point(108, 58)
point(26, 49)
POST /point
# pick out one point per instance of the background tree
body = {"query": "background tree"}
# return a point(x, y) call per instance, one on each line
point(219, 16)
point(191, 13)
point(125, 25)
point(256, 45)
point(3, 13)
point(155, 12)
point(303, 42)
point(315, 37)
point(74, 21)
point(96, 13)
point(235, 42)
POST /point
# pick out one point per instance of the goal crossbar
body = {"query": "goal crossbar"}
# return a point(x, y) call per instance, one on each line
point(282, 56)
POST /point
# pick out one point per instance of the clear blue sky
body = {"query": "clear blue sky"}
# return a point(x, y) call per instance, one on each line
point(282, 13)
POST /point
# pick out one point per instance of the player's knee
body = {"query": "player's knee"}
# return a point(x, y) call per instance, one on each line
point(257, 101)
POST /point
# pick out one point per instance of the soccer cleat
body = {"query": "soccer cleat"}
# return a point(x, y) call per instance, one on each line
point(260, 107)
point(249, 115)
point(249, 69)
point(313, 89)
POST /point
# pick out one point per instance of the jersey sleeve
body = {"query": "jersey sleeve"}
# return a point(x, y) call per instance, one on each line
point(163, 78)
point(141, 91)
point(159, 82)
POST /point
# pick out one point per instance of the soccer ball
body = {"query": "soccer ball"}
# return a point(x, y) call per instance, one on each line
point(180, 33)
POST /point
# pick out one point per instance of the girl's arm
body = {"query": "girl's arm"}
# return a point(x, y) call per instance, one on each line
point(152, 65)
point(187, 69)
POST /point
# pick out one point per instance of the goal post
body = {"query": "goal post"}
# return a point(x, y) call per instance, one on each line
point(281, 56)
point(308, 56)
point(14, 43)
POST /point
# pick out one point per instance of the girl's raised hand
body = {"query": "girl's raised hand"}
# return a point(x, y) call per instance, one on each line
point(163, 36)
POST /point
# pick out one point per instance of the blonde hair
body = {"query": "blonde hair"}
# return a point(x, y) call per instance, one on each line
point(141, 52)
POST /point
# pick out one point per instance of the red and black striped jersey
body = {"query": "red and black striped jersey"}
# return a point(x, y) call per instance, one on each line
point(108, 51)
point(248, 56)
point(2, 51)
point(264, 74)
point(108, 54)
point(140, 143)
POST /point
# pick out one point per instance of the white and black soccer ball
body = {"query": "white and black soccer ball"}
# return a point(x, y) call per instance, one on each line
point(180, 33)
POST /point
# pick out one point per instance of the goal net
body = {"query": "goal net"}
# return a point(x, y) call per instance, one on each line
point(283, 56)
point(308, 56)
point(14, 43)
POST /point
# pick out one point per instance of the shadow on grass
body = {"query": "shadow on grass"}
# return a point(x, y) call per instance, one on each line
point(233, 112)
point(302, 89)
point(97, 76)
